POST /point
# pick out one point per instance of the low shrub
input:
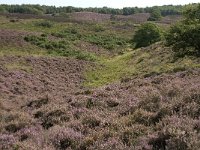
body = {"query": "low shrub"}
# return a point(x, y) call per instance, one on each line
point(7, 142)
point(45, 24)
point(54, 117)
point(64, 138)
point(146, 35)
point(108, 42)
point(91, 121)
point(59, 48)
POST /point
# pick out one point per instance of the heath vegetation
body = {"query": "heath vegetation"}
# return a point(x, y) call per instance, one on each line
point(99, 78)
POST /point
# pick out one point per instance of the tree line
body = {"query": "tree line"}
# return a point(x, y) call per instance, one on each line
point(38, 9)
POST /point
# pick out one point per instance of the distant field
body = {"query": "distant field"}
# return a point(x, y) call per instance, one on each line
point(90, 16)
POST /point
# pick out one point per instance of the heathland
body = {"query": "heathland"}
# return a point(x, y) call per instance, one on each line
point(99, 79)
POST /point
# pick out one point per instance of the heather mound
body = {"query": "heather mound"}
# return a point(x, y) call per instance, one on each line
point(150, 113)
point(27, 78)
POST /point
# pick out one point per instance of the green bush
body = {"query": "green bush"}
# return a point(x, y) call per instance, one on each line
point(70, 34)
point(2, 10)
point(99, 28)
point(192, 14)
point(184, 36)
point(184, 39)
point(108, 42)
point(59, 48)
point(45, 24)
point(146, 35)
point(155, 15)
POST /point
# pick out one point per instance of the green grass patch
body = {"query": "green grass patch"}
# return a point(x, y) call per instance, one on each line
point(151, 61)
point(110, 42)
point(106, 40)
point(104, 34)
point(19, 66)
point(109, 70)
point(59, 48)
point(33, 25)
point(30, 50)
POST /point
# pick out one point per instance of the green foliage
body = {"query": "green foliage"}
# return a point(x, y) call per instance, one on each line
point(2, 9)
point(155, 14)
point(99, 28)
point(184, 39)
point(184, 36)
point(170, 10)
point(130, 10)
point(108, 42)
point(59, 48)
point(192, 13)
point(25, 9)
point(146, 35)
point(37, 9)
point(70, 34)
point(146, 62)
point(45, 24)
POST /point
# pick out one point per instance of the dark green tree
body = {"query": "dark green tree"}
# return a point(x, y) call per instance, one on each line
point(192, 14)
point(2, 9)
point(184, 37)
point(146, 35)
point(155, 14)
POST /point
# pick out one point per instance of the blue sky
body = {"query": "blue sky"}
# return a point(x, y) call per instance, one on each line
point(100, 3)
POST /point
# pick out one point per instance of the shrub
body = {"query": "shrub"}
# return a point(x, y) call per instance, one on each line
point(110, 144)
point(45, 24)
point(90, 103)
point(108, 42)
point(184, 39)
point(33, 132)
point(91, 122)
point(38, 103)
point(192, 13)
point(155, 15)
point(99, 28)
point(70, 34)
point(143, 117)
point(59, 48)
point(129, 135)
point(7, 141)
point(112, 103)
point(184, 36)
point(53, 118)
point(146, 35)
point(63, 138)
point(176, 133)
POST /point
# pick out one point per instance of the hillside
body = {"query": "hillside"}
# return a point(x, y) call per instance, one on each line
point(76, 82)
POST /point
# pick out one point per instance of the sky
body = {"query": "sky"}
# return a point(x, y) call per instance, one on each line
point(101, 3)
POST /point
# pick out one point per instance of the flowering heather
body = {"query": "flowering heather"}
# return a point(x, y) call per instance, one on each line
point(7, 141)
point(63, 138)
point(152, 113)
